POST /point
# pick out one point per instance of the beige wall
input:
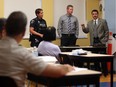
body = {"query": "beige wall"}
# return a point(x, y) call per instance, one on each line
point(1, 8)
point(47, 6)
point(90, 5)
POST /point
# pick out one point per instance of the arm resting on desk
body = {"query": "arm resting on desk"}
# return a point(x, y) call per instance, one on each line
point(56, 70)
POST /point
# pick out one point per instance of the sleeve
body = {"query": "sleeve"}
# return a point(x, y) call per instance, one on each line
point(77, 28)
point(32, 23)
point(34, 64)
point(106, 30)
point(59, 27)
point(45, 23)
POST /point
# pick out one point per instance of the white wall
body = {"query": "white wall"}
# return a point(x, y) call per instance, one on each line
point(26, 6)
point(110, 16)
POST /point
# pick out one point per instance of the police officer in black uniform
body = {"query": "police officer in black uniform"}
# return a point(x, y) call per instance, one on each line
point(36, 26)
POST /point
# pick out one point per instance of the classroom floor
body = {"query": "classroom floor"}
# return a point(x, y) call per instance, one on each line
point(104, 82)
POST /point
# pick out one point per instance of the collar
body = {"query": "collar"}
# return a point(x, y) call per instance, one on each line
point(38, 18)
point(96, 20)
point(12, 40)
point(68, 15)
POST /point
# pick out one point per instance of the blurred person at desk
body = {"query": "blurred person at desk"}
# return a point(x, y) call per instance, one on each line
point(36, 27)
point(99, 34)
point(2, 27)
point(16, 61)
point(46, 47)
point(68, 28)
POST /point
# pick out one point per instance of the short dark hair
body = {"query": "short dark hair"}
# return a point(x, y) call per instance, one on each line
point(94, 10)
point(69, 6)
point(16, 23)
point(37, 11)
point(49, 33)
point(2, 23)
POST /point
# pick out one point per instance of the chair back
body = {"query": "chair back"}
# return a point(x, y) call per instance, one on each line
point(64, 59)
point(39, 54)
point(7, 82)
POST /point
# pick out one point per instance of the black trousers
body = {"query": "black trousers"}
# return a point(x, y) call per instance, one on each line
point(68, 40)
point(33, 43)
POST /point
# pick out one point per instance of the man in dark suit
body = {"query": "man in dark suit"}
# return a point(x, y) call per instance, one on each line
point(99, 33)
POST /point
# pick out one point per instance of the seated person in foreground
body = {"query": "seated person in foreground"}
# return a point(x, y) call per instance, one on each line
point(2, 27)
point(16, 61)
point(46, 47)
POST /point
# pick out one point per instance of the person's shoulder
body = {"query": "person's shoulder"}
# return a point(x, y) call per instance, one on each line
point(63, 16)
point(33, 20)
point(43, 19)
point(54, 46)
point(74, 16)
point(102, 20)
point(50, 44)
point(89, 22)
point(22, 50)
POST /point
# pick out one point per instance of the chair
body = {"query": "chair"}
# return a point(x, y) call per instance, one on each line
point(6, 81)
point(39, 54)
point(64, 59)
point(114, 63)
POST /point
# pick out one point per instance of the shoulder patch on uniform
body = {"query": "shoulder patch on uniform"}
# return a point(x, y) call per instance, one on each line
point(38, 22)
point(32, 21)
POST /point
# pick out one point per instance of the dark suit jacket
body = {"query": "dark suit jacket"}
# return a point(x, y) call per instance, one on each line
point(102, 28)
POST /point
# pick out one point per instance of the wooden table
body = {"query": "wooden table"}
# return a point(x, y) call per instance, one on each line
point(84, 77)
point(88, 48)
point(93, 58)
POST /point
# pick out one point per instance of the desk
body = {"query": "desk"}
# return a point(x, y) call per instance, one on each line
point(84, 77)
point(93, 58)
point(88, 48)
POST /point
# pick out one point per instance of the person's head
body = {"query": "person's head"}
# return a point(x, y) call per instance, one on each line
point(95, 14)
point(39, 13)
point(2, 26)
point(69, 9)
point(16, 24)
point(49, 34)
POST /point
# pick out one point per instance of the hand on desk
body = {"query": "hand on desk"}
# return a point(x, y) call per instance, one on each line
point(68, 68)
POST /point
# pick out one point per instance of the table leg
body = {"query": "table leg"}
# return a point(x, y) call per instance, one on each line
point(112, 72)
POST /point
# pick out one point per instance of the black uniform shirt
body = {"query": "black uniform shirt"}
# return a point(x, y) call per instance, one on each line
point(38, 24)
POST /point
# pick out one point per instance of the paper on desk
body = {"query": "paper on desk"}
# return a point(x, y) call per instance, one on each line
point(78, 52)
point(76, 69)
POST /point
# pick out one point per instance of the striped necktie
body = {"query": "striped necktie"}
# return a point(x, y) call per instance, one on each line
point(69, 24)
